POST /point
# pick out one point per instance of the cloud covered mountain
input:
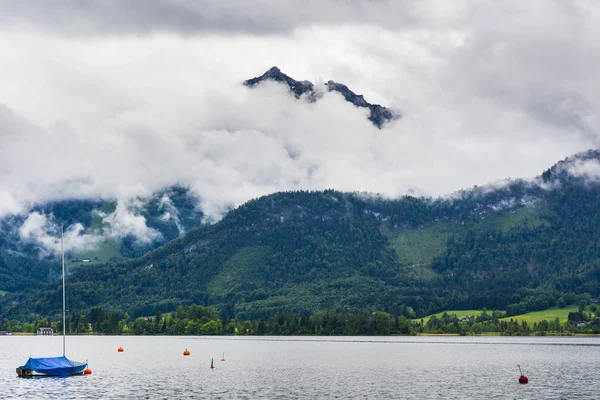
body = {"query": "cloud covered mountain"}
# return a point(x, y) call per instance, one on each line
point(118, 100)
point(96, 232)
point(378, 115)
point(520, 246)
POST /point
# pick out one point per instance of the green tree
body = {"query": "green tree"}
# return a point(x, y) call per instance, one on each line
point(82, 324)
point(403, 325)
point(211, 328)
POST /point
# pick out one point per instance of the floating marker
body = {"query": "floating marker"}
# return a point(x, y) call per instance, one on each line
point(120, 350)
point(223, 357)
point(212, 366)
point(87, 371)
point(522, 379)
point(186, 352)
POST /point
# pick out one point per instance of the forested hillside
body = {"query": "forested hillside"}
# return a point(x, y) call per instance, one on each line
point(524, 246)
point(28, 262)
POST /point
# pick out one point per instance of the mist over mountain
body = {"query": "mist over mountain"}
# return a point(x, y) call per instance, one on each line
point(378, 114)
point(130, 123)
point(520, 246)
point(95, 232)
point(120, 101)
point(298, 88)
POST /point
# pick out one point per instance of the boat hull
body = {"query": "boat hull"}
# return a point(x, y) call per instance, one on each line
point(30, 373)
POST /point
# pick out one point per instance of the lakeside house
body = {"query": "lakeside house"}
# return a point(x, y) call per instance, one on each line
point(45, 332)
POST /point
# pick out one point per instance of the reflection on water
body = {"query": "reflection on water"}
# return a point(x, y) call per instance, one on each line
point(310, 368)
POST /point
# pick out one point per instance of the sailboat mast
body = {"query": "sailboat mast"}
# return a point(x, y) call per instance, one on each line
point(62, 251)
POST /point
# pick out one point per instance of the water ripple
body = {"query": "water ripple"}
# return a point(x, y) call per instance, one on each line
point(313, 368)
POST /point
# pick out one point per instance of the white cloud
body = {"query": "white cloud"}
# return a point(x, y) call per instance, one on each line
point(41, 229)
point(125, 221)
point(587, 169)
point(487, 91)
point(170, 213)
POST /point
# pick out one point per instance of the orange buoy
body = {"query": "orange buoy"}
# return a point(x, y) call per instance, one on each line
point(522, 379)
point(87, 371)
point(186, 352)
point(120, 349)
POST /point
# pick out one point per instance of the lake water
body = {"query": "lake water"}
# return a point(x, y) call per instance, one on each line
point(309, 368)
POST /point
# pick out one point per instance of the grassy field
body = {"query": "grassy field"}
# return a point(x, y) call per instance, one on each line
point(106, 251)
point(420, 246)
point(459, 313)
point(549, 315)
point(536, 316)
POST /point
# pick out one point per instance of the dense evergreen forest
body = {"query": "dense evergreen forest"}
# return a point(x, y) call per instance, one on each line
point(525, 246)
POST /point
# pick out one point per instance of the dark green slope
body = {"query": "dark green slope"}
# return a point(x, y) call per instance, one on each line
point(290, 250)
point(523, 247)
point(561, 255)
point(304, 251)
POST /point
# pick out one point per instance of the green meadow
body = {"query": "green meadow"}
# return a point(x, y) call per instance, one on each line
point(106, 251)
point(549, 315)
point(458, 313)
point(536, 316)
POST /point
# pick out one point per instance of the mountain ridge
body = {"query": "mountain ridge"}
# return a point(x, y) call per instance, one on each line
point(526, 246)
point(379, 115)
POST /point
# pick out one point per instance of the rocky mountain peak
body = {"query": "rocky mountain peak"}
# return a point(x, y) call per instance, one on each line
point(379, 115)
point(298, 88)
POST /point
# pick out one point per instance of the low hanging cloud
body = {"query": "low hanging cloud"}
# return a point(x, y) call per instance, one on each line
point(170, 213)
point(148, 97)
point(125, 220)
point(587, 169)
point(45, 232)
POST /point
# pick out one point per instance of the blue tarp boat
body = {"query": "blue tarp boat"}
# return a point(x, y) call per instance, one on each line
point(54, 366)
point(51, 366)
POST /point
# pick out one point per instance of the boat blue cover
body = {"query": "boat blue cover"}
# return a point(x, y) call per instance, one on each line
point(56, 366)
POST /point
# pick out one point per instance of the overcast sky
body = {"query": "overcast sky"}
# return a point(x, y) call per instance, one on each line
point(121, 98)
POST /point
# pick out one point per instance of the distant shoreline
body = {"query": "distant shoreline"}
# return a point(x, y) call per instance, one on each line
point(485, 334)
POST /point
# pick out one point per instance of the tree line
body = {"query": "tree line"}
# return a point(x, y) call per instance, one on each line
point(200, 320)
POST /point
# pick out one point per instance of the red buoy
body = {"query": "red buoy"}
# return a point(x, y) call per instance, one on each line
point(522, 379)
point(212, 366)
point(87, 371)
point(120, 349)
point(186, 352)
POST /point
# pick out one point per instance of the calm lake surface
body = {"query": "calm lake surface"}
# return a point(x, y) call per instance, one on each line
point(309, 368)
